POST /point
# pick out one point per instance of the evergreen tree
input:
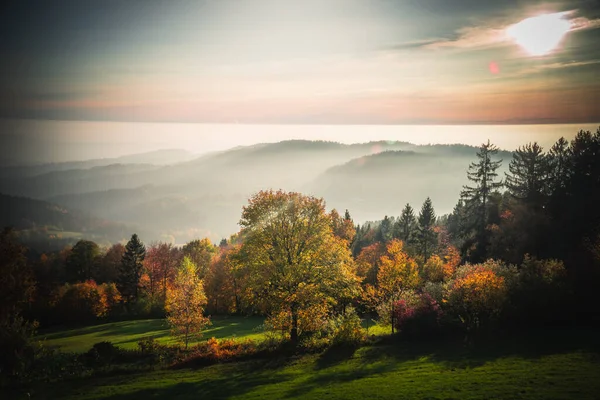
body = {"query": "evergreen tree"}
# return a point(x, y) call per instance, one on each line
point(347, 215)
point(82, 262)
point(558, 163)
point(426, 234)
point(384, 231)
point(131, 268)
point(483, 174)
point(528, 177)
point(405, 226)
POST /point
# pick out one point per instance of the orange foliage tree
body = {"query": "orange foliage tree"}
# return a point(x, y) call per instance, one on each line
point(397, 273)
point(477, 294)
point(224, 281)
point(368, 261)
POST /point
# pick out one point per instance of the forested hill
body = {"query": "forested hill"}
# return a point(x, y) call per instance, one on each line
point(204, 196)
point(380, 184)
point(51, 226)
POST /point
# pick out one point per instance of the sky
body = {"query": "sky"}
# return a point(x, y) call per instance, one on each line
point(367, 62)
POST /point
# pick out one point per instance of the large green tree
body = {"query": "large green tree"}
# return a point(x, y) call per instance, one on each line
point(385, 230)
point(478, 196)
point(426, 234)
point(404, 228)
point(131, 269)
point(201, 252)
point(83, 261)
point(294, 261)
point(528, 175)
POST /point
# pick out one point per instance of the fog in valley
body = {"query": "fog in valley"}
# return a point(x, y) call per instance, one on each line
point(176, 196)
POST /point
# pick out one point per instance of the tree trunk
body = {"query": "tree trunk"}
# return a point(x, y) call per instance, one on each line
point(294, 331)
point(392, 313)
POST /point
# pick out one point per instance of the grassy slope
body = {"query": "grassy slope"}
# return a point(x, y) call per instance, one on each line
point(127, 333)
point(566, 365)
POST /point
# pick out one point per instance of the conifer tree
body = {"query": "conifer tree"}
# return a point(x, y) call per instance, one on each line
point(405, 226)
point(426, 234)
point(131, 268)
point(528, 177)
point(477, 197)
point(384, 231)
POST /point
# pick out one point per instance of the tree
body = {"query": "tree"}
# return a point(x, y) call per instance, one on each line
point(528, 177)
point(343, 227)
point(16, 277)
point(160, 264)
point(483, 174)
point(82, 263)
point(426, 234)
point(384, 231)
point(404, 227)
point(223, 282)
point(477, 294)
point(109, 263)
point(185, 303)
point(397, 273)
point(368, 262)
point(294, 261)
point(16, 290)
point(559, 166)
point(365, 236)
point(131, 269)
point(201, 253)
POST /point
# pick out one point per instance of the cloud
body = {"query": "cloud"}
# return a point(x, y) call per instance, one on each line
point(494, 34)
point(556, 66)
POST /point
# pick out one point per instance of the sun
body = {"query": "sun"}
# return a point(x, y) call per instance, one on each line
point(541, 34)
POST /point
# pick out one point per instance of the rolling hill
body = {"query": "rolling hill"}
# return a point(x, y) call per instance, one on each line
point(205, 195)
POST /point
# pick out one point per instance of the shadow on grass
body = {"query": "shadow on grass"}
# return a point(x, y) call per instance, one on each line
point(454, 354)
point(125, 328)
point(299, 376)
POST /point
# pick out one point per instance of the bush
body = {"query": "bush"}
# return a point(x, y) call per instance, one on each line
point(214, 350)
point(17, 348)
point(420, 317)
point(347, 329)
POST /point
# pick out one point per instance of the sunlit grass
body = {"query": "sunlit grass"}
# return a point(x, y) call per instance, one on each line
point(126, 334)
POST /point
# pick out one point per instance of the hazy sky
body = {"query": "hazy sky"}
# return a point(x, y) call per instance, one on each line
point(291, 62)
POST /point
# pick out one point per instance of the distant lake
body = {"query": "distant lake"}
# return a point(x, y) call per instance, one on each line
point(56, 141)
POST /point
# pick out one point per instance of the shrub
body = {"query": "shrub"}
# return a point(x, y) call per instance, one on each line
point(347, 329)
point(419, 317)
point(477, 294)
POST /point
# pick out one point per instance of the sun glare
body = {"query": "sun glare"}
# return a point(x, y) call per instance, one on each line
point(541, 34)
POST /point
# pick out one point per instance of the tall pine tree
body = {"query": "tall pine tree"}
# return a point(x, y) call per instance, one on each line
point(384, 230)
point(131, 269)
point(528, 177)
point(426, 234)
point(405, 226)
point(477, 197)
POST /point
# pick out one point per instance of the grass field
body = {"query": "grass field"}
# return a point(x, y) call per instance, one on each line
point(126, 334)
point(547, 365)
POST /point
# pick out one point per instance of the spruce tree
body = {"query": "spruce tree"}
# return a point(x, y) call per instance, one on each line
point(558, 163)
point(426, 234)
point(347, 216)
point(528, 177)
point(477, 197)
point(384, 231)
point(131, 268)
point(405, 226)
